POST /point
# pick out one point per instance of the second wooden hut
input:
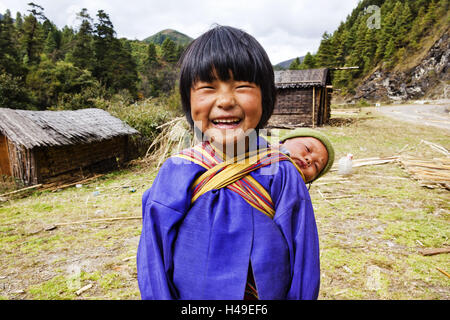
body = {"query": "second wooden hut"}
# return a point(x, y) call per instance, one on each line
point(303, 98)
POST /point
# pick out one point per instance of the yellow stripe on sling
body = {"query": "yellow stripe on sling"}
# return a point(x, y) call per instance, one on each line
point(234, 174)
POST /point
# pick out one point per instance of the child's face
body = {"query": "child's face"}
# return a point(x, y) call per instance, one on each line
point(309, 154)
point(225, 110)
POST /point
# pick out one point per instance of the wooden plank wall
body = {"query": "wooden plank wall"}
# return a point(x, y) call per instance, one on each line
point(5, 168)
point(22, 163)
point(101, 156)
point(295, 107)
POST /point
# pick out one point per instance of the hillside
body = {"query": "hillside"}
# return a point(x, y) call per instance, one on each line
point(178, 37)
point(418, 76)
point(400, 47)
point(285, 64)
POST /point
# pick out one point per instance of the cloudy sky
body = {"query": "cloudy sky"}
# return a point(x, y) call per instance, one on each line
point(285, 28)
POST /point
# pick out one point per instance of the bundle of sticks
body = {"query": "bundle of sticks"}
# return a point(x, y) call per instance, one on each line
point(430, 173)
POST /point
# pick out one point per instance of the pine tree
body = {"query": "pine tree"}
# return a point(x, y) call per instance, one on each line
point(51, 44)
point(114, 65)
point(67, 37)
point(32, 35)
point(169, 50)
point(47, 27)
point(295, 64)
point(124, 68)
point(103, 46)
point(430, 16)
point(442, 8)
point(416, 5)
point(340, 43)
point(387, 30)
point(369, 49)
point(151, 59)
point(308, 62)
point(179, 51)
point(403, 25)
point(417, 27)
point(325, 56)
point(19, 21)
point(9, 53)
point(390, 52)
point(358, 53)
point(82, 54)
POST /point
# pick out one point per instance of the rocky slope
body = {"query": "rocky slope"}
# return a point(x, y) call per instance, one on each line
point(428, 79)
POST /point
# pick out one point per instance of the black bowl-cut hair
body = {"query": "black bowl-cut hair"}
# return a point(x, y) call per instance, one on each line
point(217, 52)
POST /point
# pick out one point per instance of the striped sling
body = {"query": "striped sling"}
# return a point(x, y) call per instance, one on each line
point(234, 175)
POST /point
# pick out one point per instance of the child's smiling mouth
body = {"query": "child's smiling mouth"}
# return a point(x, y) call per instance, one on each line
point(226, 123)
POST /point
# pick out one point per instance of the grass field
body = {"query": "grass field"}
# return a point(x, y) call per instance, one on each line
point(371, 225)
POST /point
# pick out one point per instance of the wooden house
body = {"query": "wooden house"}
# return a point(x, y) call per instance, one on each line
point(47, 146)
point(303, 98)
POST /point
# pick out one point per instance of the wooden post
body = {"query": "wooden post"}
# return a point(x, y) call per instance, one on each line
point(325, 119)
point(314, 105)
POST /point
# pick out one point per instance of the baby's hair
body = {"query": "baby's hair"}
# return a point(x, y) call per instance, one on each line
point(217, 52)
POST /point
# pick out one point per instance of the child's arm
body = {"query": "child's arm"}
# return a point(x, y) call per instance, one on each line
point(295, 216)
point(163, 207)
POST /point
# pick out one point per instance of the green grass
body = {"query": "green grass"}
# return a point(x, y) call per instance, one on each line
point(369, 239)
point(386, 220)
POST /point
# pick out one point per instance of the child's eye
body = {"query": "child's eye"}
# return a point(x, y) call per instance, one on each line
point(203, 85)
point(245, 85)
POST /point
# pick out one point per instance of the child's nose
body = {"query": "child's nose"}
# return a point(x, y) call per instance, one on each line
point(308, 160)
point(226, 100)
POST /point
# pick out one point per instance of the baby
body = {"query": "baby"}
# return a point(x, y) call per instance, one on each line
point(310, 149)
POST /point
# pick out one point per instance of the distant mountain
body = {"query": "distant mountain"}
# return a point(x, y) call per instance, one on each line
point(1, 16)
point(178, 37)
point(285, 64)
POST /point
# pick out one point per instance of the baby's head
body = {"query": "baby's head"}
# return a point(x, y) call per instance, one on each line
point(226, 84)
point(311, 150)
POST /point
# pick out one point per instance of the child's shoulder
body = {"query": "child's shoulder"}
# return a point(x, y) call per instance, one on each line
point(285, 182)
point(287, 173)
point(180, 166)
point(174, 179)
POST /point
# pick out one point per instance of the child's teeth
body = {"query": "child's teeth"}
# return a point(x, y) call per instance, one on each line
point(226, 121)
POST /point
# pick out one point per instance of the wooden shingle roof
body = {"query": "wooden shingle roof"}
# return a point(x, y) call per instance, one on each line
point(57, 128)
point(301, 78)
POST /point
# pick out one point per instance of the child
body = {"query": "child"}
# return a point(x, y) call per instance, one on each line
point(310, 149)
point(214, 228)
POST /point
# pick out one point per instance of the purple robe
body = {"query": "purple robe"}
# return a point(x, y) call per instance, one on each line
point(203, 250)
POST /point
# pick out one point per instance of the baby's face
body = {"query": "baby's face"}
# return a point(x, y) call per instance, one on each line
point(309, 154)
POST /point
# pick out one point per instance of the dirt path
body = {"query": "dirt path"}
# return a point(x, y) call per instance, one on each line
point(437, 115)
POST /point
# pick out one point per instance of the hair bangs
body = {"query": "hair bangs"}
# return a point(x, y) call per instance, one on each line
point(223, 55)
